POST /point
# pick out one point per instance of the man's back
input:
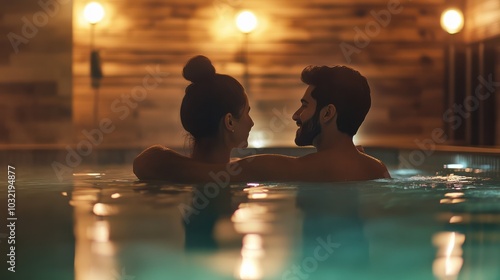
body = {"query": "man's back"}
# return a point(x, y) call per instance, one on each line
point(343, 166)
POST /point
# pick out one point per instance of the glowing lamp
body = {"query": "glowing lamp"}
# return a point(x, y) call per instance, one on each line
point(246, 21)
point(452, 21)
point(93, 12)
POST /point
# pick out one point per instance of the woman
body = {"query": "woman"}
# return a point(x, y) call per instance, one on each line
point(214, 111)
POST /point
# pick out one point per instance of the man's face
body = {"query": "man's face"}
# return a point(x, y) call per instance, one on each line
point(307, 120)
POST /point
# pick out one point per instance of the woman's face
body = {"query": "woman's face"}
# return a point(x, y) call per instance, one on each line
point(242, 127)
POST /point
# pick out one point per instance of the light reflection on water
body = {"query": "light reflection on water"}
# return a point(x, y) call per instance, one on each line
point(410, 227)
point(449, 259)
point(259, 231)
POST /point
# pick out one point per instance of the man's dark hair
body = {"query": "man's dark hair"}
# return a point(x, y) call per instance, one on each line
point(343, 87)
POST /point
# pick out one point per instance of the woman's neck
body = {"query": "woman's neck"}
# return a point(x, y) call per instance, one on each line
point(211, 150)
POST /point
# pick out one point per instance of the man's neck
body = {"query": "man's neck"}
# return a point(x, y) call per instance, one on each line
point(335, 141)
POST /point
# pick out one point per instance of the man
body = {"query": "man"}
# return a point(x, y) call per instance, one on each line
point(333, 107)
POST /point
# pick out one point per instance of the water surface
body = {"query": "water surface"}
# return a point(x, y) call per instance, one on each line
point(101, 223)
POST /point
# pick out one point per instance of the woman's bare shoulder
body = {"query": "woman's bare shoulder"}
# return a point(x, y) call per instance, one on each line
point(150, 162)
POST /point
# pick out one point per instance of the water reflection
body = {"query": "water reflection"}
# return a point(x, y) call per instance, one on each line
point(202, 216)
point(334, 241)
point(117, 230)
point(453, 197)
point(456, 219)
point(161, 231)
point(469, 248)
point(245, 232)
point(252, 253)
point(449, 259)
point(273, 231)
point(269, 221)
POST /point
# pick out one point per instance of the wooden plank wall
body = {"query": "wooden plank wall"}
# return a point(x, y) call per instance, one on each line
point(35, 72)
point(497, 112)
point(482, 20)
point(403, 61)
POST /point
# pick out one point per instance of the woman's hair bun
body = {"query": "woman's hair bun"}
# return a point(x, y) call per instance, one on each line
point(198, 69)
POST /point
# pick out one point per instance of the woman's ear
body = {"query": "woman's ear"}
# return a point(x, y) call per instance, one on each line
point(328, 113)
point(229, 122)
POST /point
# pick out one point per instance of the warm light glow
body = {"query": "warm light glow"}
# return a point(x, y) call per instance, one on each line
point(242, 214)
point(252, 253)
point(99, 232)
point(449, 261)
point(452, 21)
point(451, 201)
point(246, 21)
point(456, 219)
point(93, 12)
point(103, 248)
point(252, 242)
point(250, 217)
point(454, 194)
point(249, 269)
point(257, 143)
point(257, 195)
point(116, 195)
point(256, 192)
point(259, 138)
point(255, 188)
point(101, 209)
point(93, 174)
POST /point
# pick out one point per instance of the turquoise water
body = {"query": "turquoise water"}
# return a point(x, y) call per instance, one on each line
point(101, 223)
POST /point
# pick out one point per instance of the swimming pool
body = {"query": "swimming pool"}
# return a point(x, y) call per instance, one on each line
point(428, 222)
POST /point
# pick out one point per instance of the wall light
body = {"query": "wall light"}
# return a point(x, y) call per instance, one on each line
point(93, 12)
point(452, 20)
point(246, 21)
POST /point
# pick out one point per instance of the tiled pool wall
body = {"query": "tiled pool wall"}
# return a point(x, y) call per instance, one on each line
point(470, 162)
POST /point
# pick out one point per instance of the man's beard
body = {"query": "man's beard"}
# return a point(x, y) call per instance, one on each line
point(308, 131)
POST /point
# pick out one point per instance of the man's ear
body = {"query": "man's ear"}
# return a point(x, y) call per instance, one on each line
point(229, 122)
point(328, 113)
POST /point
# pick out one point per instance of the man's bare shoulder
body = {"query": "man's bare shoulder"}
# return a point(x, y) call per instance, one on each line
point(375, 167)
point(267, 167)
point(340, 167)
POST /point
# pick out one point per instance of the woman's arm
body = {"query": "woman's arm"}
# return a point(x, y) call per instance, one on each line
point(160, 163)
point(154, 163)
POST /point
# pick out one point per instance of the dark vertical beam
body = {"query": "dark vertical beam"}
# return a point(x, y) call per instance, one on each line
point(475, 72)
point(449, 86)
point(469, 90)
point(460, 91)
point(488, 118)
